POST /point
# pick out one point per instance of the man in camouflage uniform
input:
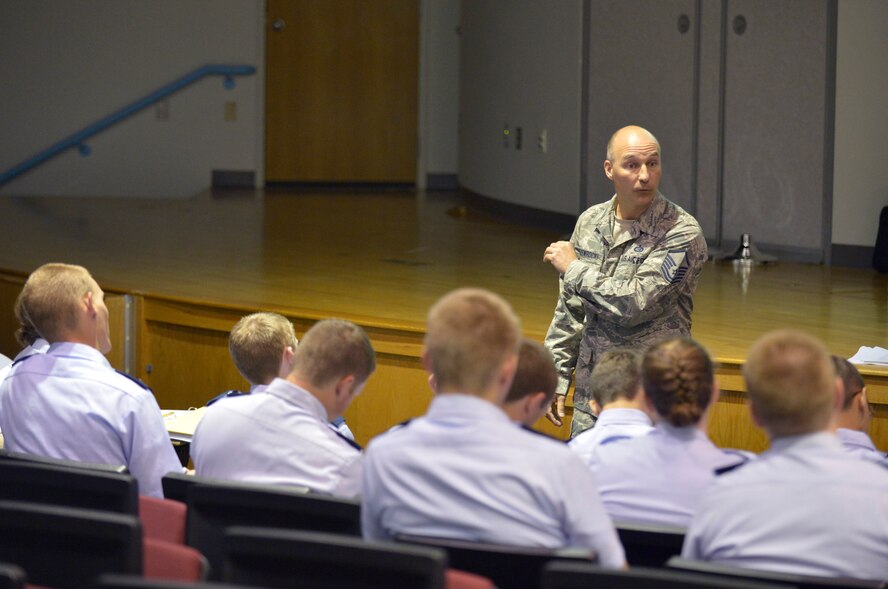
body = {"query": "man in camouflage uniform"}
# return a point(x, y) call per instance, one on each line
point(628, 273)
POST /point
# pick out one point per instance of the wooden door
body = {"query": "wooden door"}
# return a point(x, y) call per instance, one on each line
point(341, 91)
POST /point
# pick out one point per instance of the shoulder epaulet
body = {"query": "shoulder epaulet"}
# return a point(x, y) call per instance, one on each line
point(543, 434)
point(225, 395)
point(135, 380)
point(348, 440)
point(613, 439)
point(727, 469)
point(22, 359)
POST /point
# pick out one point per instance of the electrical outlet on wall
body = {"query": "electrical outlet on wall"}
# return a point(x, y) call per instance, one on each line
point(230, 111)
point(543, 141)
point(162, 110)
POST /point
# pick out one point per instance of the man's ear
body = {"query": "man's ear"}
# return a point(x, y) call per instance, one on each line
point(345, 386)
point(89, 304)
point(286, 362)
point(608, 169)
point(839, 395)
point(426, 361)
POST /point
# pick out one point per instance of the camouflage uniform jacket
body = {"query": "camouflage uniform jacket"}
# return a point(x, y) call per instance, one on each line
point(630, 293)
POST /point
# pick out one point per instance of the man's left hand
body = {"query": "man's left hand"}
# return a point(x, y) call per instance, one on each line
point(561, 255)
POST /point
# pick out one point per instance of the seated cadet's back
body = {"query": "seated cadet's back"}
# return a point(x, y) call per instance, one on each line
point(658, 478)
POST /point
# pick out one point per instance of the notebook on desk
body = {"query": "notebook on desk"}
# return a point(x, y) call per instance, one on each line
point(181, 423)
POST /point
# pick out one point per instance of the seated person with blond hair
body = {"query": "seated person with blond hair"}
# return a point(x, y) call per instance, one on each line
point(803, 507)
point(70, 403)
point(262, 346)
point(621, 405)
point(658, 478)
point(281, 435)
point(465, 470)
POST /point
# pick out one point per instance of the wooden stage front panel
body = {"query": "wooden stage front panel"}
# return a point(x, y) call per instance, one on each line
point(192, 268)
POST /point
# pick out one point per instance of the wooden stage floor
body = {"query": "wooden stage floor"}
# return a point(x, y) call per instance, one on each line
point(381, 258)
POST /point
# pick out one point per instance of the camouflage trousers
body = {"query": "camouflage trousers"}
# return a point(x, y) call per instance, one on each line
point(581, 421)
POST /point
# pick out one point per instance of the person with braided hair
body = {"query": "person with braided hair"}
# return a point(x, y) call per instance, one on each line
point(658, 478)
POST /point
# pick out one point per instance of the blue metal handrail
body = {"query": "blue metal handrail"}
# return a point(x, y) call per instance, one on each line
point(78, 139)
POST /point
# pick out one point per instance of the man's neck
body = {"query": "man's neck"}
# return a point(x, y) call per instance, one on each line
point(628, 214)
point(622, 404)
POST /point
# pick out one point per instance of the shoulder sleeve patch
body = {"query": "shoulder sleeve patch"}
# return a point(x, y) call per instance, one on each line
point(675, 266)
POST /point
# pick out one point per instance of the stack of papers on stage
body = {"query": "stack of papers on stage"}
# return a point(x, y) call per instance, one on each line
point(867, 355)
point(182, 423)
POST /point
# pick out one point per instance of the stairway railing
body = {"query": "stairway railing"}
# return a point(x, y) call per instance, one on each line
point(79, 138)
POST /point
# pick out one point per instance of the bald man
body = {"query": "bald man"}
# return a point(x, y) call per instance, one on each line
point(627, 275)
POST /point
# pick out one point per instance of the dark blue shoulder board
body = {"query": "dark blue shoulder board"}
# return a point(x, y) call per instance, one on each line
point(348, 441)
point(135, 380)
point(225, 395)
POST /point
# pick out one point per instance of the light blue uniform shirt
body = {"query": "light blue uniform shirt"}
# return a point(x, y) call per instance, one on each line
point(612, 425)
point(278, 436)
point(802, 507)
point(658, 479)
point(466, 471)
point(69, 403)
point(38, 347)
point(859, 444)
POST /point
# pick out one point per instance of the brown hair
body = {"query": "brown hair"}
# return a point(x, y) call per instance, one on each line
point(791, 382)
point(850, 378)
point(333, 349)
point(470, 333)
point(257, 343)
point(616, 375)
point(26, 334)
point(536, 372)
point(50, 298)
point(677, 376)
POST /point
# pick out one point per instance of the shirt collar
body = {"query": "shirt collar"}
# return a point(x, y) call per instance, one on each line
point(459, 406)
point(623, 415)
point(805, 443)
point(75, 350)
point(290, 393)
point(855, 438)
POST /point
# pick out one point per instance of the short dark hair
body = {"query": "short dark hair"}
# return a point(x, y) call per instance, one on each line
point(616, 375)
point(535, 373)
point(850, 378)
point(333, 349)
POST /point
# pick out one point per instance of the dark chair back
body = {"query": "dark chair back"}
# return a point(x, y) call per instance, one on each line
point(68, 485)
point(7, 455)
point(214, 507)
point(569, 575)
point(139, 582)
point(650, 546)
point(299, 559)
point(509, 567)
point(716, 570)
point(12, 576)
point(65, 547)
point(175, 485)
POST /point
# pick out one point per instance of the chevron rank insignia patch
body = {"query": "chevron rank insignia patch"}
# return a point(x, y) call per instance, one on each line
point(675, 266)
